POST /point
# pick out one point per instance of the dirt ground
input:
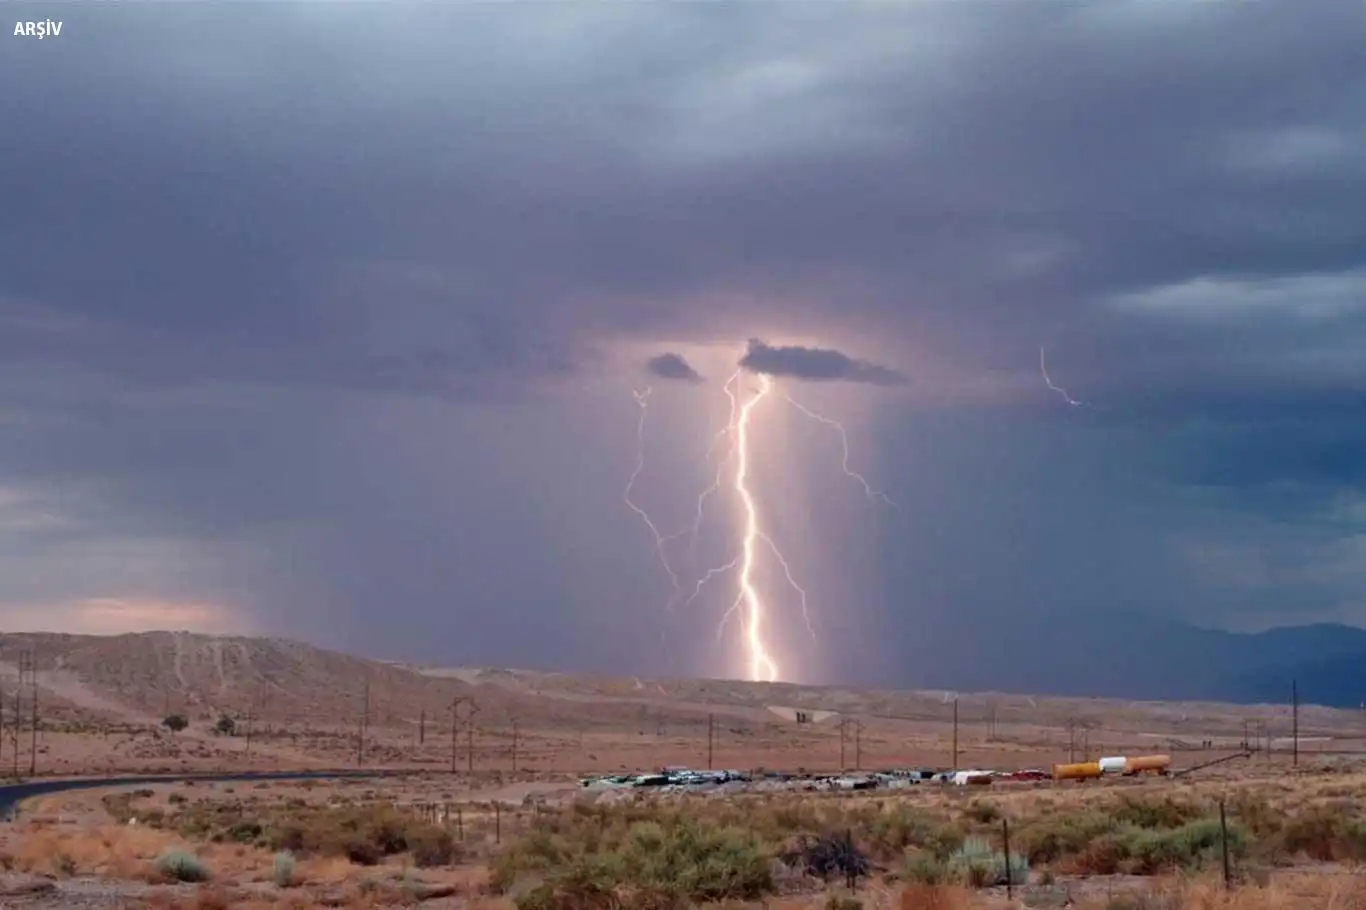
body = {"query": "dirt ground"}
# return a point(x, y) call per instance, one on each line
point(97, 848)
point(497, 755)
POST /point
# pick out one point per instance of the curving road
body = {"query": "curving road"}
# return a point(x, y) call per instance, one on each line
point(12, 794)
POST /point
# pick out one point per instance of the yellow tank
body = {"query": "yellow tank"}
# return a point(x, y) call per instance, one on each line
point(1141, 763)
point(1079, 771)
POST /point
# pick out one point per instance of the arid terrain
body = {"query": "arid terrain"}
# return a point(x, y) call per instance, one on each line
point(102, 700)
point(512, 825)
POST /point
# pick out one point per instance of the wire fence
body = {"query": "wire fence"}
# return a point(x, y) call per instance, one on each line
point(1004, 846)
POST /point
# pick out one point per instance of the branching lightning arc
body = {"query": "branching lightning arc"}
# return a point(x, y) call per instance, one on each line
point(750, 603)
point(1043, 368)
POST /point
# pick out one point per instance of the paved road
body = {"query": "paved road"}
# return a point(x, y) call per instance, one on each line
point(12, 794)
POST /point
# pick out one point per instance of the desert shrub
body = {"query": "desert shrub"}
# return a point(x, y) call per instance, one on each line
point(978, 864)
point(1049, 839)
point(843, 902)
point(244, 832)
point(1161, 813)
point(1327, 833)
point(924, 868)
point(431, 846)
point(1146, 851)
point(983, 811)
point(282, 869)
point(179, 866)
point(676, 858)
point(1256, 814)
point(890, 831)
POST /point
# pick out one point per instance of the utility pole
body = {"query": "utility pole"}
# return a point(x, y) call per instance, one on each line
point(514, 745)
point(955, 733)
point(422, 727)
point(858, 745)
point(248, 755)
point(33, 733)
point(711, 738)
point(1071, 741)
point(455, 728)
point(844, 725)
point(364, 718)
point(17, 727)
point(469, 736)
point(1295, 722)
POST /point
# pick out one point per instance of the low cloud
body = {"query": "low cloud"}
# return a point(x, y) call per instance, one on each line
point(816, 364)
point(672, 366)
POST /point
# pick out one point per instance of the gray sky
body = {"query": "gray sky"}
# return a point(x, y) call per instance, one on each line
point(323, 319)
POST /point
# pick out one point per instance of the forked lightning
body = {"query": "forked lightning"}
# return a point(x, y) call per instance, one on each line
point(749, 604)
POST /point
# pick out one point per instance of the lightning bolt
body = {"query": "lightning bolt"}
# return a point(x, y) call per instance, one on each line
point(844, 451)
point(726, 432)
point(660, 540)
point(761, 664)
point(749, 603)
point(1043, 368)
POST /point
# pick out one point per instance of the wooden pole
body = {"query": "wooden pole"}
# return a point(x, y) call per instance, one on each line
point(1005, 837)
point(33, 733)
point(455, 729)
point(1295, 722)
point(711, 738)
point(955, 733)
point(1223, 844)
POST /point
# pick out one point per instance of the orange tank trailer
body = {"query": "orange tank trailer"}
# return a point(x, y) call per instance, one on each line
point(1159, 764)
point(1078, 771)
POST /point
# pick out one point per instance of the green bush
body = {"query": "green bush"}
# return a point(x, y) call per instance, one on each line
point(179, 866)
point(430, 847)
point(924, 868)
point(1146, 851)
point(671, 860)
point(282, 871)
point(978, 864)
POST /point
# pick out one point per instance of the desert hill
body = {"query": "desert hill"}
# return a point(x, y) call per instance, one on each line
point(140, 678)
point(143, 677)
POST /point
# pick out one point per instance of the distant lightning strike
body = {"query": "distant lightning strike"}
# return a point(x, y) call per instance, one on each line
point(643, 402)
point(1043, 368)
point(749, 604)
point(844, 449)
point(761, 664)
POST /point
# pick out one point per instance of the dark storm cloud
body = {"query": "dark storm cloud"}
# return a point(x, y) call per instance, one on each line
point(263, 307)
point(816, 364)
point(672, 366)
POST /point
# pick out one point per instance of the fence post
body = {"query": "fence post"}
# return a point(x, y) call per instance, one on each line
point(1223, 844)
point(497, 823)
point(460, 822)
point(851, 866)
point(1010, 877)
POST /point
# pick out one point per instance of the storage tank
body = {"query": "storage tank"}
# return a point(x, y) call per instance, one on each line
point(1079, 771)
point(1117, 764)
point(1140, 763)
